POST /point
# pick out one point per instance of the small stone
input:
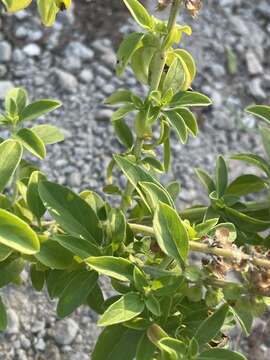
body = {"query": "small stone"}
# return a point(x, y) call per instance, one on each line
point(32, 50)
point(86, 76)
point(38, 326)
point(40, 345)
point(65, 332)
point(72, 63)
point(75, 48)
point(13, 322)
point(26, 343)
point(264, 9)
point(3, 70)
point(104, 114)
point(18, 56)
point(66, 81)
point(75, 180)
point(253, 63)
point(5, 51)
point(218, 70)
point(5, 86)
point(256, 90)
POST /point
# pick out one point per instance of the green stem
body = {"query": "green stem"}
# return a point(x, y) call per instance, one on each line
point(235, 255)
point(126, 199)
point(160, 59)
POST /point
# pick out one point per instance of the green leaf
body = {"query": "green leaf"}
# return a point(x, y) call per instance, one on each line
point(140, 280)
point(167, 154)
point(37, 278)
point(245, 222)
point(139, 13)
point(206, 180)
point(17, 235)
point(153, 305)
point(3, 316)
point(137, 174)
point(10, 270)
point(246, 184)
point(58, 280)
point(220, 354)
point(255, 160)
point(120, 97)
point(10, 157)
point(39, 108)
point(126, 308)
point(77, 246)
point(95, 299)
point(76, 292)
point(189, 98)
point(265, 134)
point(244, 317)
point(71, 212)
point(204, 228)
point(262, 111)
point(123, 133)
point(221, 176)
point(4, 252)
point(174, 189)
point(49, 134)
point(117, 228)
point(54, 256)
point(117, 268)
point(31, 142)
point(19, 97)
point(145, 349)
point(127, 48)
point(140, 63)
point(33, 199)
point(116, 343)
point(175, 77)
point(178, 124)
point(210, 327)
point(171, 233)
point(154, 163)
point(16, 5)
point(154, 193)
point(174, 347)
point(190, 120)
point(122, 112)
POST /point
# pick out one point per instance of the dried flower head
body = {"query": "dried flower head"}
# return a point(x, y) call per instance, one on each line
point(163, 4)
point(193, 6)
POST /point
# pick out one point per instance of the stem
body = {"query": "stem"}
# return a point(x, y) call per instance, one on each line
point(161, 56)
point(236, 254)
point(126, 199)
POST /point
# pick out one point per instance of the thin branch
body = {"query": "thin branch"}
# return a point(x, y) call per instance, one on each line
point(197, 246)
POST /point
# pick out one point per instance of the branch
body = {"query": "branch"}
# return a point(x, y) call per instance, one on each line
point(235, 254)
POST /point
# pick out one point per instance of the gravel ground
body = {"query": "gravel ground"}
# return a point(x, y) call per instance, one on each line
point(74, 62)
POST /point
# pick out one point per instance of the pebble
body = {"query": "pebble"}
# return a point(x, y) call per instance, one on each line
point(65, 332)
point(32, 50)
point(86, 76)
point(5, 51)
point(76, 48)
point(253, 63)
point(5, 86)
point(256, 90)
point(66, 81)
point(13, 322)
point(104, 114)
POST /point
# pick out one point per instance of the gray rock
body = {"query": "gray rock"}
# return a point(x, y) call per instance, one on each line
point(253, 63)
point(13, 322)
point(5, 86)
point(3, 70)
point(32, 50)
point(75, 179)
point(256, 90)
point(18, 56)
point(86, 76)
point(72, 63)
point(5, 51)
point(104, 114)
point(263, 8)
point(40, 345)
point(66, 81)
point(65, 332)
point(75, 48)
